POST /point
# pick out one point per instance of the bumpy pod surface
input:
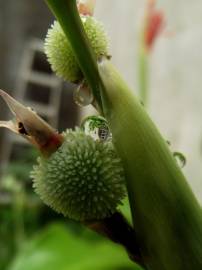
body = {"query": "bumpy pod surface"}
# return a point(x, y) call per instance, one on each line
point(83, 180)
point(59, 51)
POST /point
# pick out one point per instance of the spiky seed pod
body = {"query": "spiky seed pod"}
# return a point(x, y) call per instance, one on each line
point(83, 179)
point(59, 51)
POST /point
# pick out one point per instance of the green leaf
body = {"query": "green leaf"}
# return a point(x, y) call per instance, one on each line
point(56, 248)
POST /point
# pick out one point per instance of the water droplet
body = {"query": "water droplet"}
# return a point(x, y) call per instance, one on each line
point(83, 95)
point(180, 158)
point(96, 127)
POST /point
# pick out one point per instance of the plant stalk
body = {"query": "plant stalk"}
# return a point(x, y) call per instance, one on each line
point(143, 74)
point(118, 230)
point(167, 217)
point(67, 14)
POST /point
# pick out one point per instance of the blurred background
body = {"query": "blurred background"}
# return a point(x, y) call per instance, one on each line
point(33, 236)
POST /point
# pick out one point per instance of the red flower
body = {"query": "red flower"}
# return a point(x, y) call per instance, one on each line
point(155, 22)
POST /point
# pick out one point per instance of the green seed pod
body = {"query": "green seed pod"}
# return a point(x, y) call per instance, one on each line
point(59, 51)
point(83, 179)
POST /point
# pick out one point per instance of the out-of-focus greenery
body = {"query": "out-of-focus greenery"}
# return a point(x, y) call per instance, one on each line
point(20, 209)
point(25, 243)
point(21, 167)
point(56, 247)
point(16, 222)
point(7, 246)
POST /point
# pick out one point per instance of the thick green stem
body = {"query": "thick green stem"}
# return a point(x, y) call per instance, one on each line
point(166, 215)
point(143, 74)
point(67, 14)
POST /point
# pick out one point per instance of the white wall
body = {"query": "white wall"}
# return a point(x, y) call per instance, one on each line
point(176, 71)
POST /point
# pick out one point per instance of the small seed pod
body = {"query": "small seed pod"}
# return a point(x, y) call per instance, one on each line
point(60, 54)
point(83, 179)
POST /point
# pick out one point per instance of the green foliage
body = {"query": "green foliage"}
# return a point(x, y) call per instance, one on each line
point(21, 167)
point(57, 248)
point(7, 235)
point(14, 218)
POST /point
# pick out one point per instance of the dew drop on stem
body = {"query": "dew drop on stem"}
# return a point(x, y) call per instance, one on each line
point(96, 127)
point(180, 159)
point(83, 95)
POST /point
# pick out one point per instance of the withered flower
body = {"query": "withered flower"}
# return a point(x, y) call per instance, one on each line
point(31, 126)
